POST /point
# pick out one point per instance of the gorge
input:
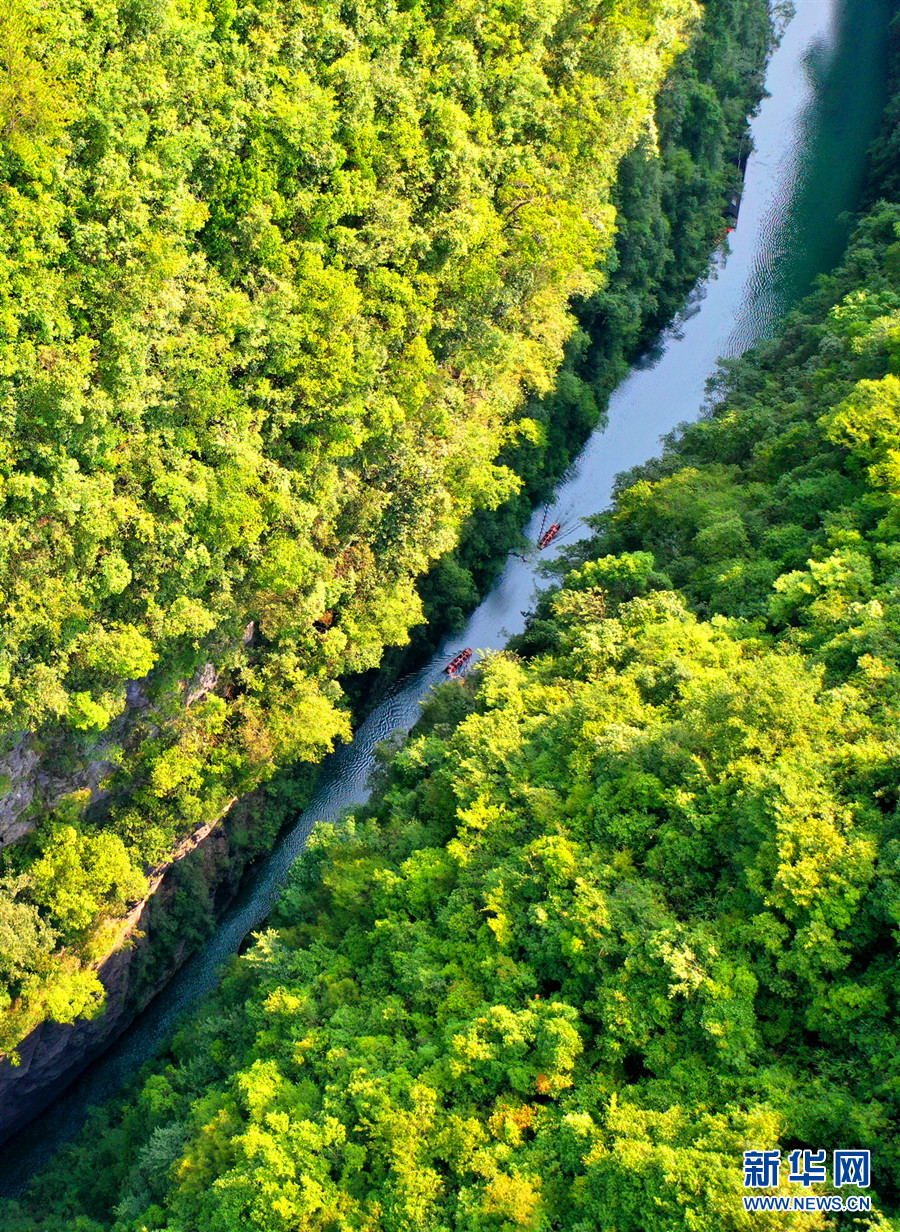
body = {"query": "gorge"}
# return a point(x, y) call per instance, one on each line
point(807, 170)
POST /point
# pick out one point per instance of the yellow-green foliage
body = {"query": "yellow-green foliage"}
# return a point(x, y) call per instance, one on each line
point(267, 308)
point(624, 906)
point(274, 278)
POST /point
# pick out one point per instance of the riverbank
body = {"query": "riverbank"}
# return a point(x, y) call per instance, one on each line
point(577, 921)
point(345, 777)
point(670, 198)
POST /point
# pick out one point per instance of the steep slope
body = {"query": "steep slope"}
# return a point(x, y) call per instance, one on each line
point(626, 904)
point(277, 278)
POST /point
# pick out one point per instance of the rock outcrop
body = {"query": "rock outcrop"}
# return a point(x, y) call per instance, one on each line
point(54, 1054)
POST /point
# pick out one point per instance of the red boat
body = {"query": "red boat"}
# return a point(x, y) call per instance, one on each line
point(549, 535)
point(458, 661)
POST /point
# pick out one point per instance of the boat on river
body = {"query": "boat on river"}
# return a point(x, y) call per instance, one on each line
point(733, 208)
point(549, 535)
point(458, 661)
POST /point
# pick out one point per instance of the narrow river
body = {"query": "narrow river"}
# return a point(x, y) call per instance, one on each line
point(826, 91)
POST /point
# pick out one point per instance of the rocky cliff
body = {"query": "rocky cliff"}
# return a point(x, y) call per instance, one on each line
point(54, 1054)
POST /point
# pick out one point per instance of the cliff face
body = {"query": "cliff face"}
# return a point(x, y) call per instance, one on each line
point(36, 774)
point(54, 1054)
point(33, 788)
point(17, 769)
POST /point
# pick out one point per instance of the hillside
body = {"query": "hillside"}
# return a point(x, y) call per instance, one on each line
point(278, 277)
point(625, 905)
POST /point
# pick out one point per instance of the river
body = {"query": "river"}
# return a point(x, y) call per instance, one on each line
point(826, 87)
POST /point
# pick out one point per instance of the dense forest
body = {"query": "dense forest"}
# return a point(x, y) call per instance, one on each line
point(668, 197)
point(287, 286)
point(626, 903)
point(279, 279)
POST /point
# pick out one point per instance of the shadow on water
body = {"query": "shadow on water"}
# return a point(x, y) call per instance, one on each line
point(827, 86)
point(806, 232)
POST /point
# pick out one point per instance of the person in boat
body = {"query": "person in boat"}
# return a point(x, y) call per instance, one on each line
point(458, 661)
point(549, 535)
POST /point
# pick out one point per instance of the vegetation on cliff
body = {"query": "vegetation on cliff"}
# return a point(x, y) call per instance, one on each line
point(278, 276)
point(626, 904)
point(668, 197)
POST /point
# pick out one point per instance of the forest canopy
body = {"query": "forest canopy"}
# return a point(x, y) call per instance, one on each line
point(626, 903)
point(277, 277)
